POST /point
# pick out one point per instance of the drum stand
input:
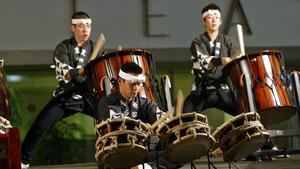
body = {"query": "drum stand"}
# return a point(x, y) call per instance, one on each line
point(285, 151)
point(209, 163)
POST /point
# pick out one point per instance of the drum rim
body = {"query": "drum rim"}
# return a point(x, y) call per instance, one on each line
point(231, 120)
point(115, 120)
point(228, 66)
point(178, 117)
point(261, 136)
point(119, 52)
point(108, 123)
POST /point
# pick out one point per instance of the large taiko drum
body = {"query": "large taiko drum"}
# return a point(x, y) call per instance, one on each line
point(241, 136)
point(185, 137)
point(109, 64)
point(258, 83)
point(295, 89)
point(5, 108)
point(121, 143)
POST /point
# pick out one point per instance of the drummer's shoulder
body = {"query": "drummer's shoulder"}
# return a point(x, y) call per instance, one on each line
point(63, 45)
point(109, 100)
point(199, 38)
point(226, 38)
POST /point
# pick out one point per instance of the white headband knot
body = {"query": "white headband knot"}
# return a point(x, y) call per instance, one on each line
point(133, 79)
point(81, 21)
point(213, 12)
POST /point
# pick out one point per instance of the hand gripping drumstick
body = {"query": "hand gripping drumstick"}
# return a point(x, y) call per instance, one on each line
point(179, 104)
point(164, 117)
point(98, 46)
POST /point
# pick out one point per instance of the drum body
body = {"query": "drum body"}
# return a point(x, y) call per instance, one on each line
point(121, 143)
point(185, 137)
point(108, 66)
point(5, 108)
point(241, 136)
point(266, 92)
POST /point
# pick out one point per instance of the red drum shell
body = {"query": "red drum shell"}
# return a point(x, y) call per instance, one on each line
point(270, 96)
point(5, 108)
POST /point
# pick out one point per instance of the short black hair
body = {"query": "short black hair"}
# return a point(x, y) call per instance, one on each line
point(80, 15)
point(211, 6)
point(131, 67)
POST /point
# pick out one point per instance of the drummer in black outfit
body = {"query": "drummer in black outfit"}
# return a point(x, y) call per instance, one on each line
point(73, 93)
point(210, 52)
point(127, 103)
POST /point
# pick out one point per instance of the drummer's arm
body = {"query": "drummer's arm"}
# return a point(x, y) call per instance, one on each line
point(200, 58)
point(151, 110)
point(61, 59)
point(103, 110)
point(75, 72)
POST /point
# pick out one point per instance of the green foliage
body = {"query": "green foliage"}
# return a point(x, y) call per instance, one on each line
point(15, 119)
point(65, 143)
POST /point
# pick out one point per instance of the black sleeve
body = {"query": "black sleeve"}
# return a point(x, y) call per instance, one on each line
point(150, 112)
point(103, 110)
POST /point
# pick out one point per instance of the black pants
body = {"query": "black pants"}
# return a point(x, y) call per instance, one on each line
point(220, 99)
point(47, 118)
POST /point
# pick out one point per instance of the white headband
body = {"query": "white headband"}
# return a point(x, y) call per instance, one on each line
point(133, 79)
point(81, 21)
point(214, 12)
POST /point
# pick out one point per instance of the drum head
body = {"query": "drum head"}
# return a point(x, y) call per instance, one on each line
point(189, 148)
point(245, 147)
point(276, 115)
point(124, 156)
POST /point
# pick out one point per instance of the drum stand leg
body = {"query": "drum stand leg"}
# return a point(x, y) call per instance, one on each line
point(193, 165)
point(209, 162)
point(156, 157)
point(233, 164)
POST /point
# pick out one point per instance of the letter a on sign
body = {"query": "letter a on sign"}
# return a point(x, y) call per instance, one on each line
point(236, 5)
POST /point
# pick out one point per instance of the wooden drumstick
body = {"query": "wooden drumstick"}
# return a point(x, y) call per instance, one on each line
point(241, 39)
point(98, 46)
point(245, 70)
point(179, 104)
point(164, 117)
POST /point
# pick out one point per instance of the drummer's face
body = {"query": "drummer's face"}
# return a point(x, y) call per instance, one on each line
point(212, 22)
point(81, 32)
point(129, 89)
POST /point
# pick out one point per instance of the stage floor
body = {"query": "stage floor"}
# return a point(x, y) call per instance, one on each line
point(293, 162)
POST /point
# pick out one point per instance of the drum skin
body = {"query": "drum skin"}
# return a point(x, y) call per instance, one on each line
point(270, 96)
point(185, 137)
point(241, 136)
point(5, 109)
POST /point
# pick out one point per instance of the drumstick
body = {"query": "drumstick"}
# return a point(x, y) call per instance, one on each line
point(164, 117)
point(245, 70)
point(179, 104)
point(98, 46)
point(241, 39)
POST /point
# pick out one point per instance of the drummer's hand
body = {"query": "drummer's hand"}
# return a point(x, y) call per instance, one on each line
point(210, 65)
point(68, 77)
point(80, 72)
point(217, 152)
point(149, 128)
point(225, 60)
